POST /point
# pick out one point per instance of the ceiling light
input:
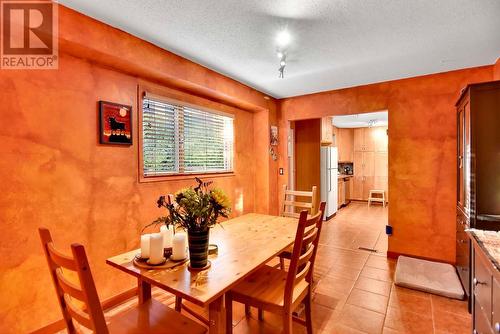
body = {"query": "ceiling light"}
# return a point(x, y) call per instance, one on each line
point(282, 63)
point(283, 38)
point(279, 54)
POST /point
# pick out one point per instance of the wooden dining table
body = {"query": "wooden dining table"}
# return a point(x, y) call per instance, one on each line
point(244, 244)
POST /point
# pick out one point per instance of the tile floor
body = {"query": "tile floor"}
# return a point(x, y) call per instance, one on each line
point(354, 292)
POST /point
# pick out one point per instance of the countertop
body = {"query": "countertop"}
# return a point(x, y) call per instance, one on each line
point(489, 241)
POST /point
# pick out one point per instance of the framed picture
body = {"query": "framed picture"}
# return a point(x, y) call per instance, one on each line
point(115, 123)
point(274, 135)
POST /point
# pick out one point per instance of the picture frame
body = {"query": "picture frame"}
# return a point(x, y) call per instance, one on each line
point(273, 135)
point(115, 123)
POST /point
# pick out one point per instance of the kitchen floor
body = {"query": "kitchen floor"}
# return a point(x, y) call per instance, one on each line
point(354, 292)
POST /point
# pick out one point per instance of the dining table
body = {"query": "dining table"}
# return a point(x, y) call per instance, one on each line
point(245, 244)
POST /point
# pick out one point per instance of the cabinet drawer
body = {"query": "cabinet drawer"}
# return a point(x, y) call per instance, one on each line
point(482, 286)
point(495, 307)
point(481, 323)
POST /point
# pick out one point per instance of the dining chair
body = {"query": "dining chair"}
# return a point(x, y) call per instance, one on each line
point(290, 204)
point(289, 201)
point(278, 291)
point(149, 317)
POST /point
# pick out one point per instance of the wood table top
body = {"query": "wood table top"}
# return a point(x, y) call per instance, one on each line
point(245, 243)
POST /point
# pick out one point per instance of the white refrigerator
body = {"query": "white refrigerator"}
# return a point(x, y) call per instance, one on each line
point(329, 177)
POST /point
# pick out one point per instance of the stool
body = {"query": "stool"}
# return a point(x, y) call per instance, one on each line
point(374, 196)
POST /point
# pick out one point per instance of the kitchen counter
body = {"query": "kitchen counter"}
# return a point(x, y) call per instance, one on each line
point(489, 241)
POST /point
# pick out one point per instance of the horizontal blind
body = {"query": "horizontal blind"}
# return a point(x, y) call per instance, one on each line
point(181, 139)
point(160, 138)
point(208, 141)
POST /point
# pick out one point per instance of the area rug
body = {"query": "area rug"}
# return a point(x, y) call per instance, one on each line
point(428, 276)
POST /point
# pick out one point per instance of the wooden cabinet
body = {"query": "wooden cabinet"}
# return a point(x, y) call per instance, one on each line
point(485, 291)
point(345, 143)
point(478, 163)
point(370, 161)
point(341, 193)
point(326, 131)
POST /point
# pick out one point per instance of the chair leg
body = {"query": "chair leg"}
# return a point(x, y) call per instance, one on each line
point(308, 313)
point(282, 263)
point(229, 313)
point(261, 314)
point(287, 323)
point(247, 310)
point(178, 303)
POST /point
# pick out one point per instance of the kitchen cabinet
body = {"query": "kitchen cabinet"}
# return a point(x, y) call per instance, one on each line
point(477, 166)
point(326, 131)
point(341, 193)
point(345, 144)
point(485, 293)
point(370, 162)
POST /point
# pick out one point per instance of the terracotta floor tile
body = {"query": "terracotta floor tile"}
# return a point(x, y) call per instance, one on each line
point(373, 285)
point(378, 274)
point(388, 330)
point(380, 262)
point(341, 329)
point(332, 302)
point(452, 323)
point(368, 300)
point(408, 322)
point(361, 319)
point(332, 286)
point(411, 302)
point(449, 305)
point(343, 272)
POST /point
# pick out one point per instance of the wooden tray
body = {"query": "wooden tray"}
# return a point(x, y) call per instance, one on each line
point(169, 264)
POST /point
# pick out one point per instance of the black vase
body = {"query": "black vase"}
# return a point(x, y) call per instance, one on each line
point(198, 248)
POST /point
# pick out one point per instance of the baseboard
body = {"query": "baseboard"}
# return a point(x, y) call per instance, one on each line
point(395, 255)
point(108, 303)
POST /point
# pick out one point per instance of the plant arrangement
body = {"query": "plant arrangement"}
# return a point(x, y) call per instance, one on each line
point(195, 210)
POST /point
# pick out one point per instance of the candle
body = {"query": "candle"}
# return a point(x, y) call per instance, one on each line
point(145, 246)
point(156, 248)
point(179, 247)
point(168, 234)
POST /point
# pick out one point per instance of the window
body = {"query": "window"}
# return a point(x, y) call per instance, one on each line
point(178, 139)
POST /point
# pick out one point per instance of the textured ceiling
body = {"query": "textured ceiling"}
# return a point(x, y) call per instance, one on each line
point(336, 43)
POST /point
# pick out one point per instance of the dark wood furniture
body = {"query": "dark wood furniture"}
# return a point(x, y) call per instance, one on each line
point(485, 290)
point(149, 317)
point(478, 166)
point(278, 291)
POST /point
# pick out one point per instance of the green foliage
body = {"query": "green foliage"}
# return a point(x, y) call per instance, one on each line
point(195, 209)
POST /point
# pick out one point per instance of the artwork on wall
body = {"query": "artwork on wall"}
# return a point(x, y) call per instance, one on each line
point(274, 135)
point(115, 123)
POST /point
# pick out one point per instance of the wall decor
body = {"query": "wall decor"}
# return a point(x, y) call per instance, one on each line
point(115, 123)
point(274, 135)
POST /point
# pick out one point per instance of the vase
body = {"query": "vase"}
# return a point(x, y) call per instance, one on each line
point(198, 248)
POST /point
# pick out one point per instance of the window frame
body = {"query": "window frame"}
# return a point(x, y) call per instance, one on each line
point(142, 94)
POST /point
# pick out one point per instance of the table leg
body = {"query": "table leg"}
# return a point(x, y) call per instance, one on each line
point(144, 291)
point(217, 316)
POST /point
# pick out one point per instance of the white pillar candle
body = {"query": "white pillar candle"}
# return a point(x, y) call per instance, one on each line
point(168, 234)
point(145, 246)
point(179, 247)
point(156, 248)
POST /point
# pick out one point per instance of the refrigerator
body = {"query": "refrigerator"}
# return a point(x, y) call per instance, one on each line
point(329, 176)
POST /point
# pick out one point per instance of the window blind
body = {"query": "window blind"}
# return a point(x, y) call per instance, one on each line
point(180, 140)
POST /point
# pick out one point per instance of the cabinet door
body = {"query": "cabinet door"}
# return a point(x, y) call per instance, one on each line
point(326, 131)
point(369, 139)
point(381, 164)
point(340, 194)
point(381, 139)
point(368, 184)
point(460, 157)
point(339, 141)
point(358, 164)
point(359, 141)
point(357, 187)
point(495, 321)
point(368, 163)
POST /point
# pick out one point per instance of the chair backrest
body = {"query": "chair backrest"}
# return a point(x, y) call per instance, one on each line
point(308, 201)
point(304, 251)
point(90, 315)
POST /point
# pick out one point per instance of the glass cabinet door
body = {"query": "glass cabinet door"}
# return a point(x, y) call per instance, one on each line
point(467, 159)
point(460, 157)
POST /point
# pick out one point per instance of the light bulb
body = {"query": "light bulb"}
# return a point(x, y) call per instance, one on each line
point(283, 38)
point(280, 54)
point(282, 63)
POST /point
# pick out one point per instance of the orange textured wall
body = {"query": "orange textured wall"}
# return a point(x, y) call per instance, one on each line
point(55, 174)
point(422, 145)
